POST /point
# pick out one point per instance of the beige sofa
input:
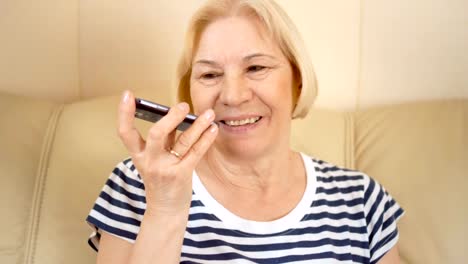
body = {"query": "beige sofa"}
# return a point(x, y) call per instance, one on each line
point(55, 159)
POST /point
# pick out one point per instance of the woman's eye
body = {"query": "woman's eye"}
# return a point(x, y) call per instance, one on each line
point(255, 68)
point(209, 76)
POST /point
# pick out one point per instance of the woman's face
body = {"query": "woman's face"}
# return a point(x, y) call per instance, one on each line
point(241, 74)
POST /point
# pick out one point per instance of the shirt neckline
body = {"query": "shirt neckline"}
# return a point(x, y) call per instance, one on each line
point(260, 227)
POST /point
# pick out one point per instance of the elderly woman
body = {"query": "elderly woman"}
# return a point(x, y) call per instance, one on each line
point(235, 192)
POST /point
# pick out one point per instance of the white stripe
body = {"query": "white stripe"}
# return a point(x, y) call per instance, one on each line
point(277, 239)
point(110, 222)
point(299, 225)
point(377, 213)
point(385, 247)
point(390, 212)
point(118, 210)
point(127, 170)
point(118, 196)
point(130, 188)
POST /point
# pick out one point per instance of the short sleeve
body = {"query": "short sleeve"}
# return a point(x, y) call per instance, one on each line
point(120, 206)
point(382, 213)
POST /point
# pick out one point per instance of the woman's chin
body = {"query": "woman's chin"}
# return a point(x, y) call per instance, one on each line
point(243, 149)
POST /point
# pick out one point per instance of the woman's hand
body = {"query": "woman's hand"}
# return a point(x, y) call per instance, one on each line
point(167, 177)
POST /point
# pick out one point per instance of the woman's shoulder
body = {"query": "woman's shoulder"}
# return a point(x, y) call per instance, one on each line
point(338, 182)
point(125, 181)
point(331, 174)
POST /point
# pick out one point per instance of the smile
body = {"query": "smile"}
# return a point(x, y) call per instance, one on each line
point(242, 122)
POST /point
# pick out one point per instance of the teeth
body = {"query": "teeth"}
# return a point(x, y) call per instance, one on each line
point(242, 122)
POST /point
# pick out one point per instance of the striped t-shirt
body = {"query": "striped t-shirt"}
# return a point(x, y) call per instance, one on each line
point(344, 216)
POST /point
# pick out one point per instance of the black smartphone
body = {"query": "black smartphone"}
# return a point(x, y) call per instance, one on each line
point(153, 112)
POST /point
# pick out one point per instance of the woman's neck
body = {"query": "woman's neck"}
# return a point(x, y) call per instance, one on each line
point(262, 175)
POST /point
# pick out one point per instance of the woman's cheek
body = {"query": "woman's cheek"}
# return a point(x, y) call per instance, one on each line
point(202, 98)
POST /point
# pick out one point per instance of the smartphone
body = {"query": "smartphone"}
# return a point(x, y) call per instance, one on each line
point(153, 112)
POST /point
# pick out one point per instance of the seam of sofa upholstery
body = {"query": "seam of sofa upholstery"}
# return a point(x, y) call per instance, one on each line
point(39, 185)
point(349, 141)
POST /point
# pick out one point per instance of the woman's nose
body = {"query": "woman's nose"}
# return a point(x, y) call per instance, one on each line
point(235, 91)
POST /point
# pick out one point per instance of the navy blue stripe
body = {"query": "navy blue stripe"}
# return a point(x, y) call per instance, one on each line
point(339, 202)
point(387, 207)
point(336, 190)
point(126, 161)
point(369, 190)
point(377, 225)
point(375, 204)
point(334, 216)
point(189, 262)
point(92, 245)
point(392, 219)
point(382, 243)
point(127, 179)
point(121, 204)
point(116, 217)
point(203, 216)
point(114, 186)
point(390, 203)
point(291, 258)
point(333, 168)
point(111, 229)
point(132, 168)
point(340, 178)
point(196, 203)
point(318, 161)
point(288, 232)
point(277, 246)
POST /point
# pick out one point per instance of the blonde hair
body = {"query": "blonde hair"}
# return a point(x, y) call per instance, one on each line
point(276, 22)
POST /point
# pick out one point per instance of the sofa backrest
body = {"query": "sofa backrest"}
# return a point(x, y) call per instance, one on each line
point(25, 131)
point(419, 152)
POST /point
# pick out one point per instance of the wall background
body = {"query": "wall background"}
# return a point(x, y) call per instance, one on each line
point(366, 52)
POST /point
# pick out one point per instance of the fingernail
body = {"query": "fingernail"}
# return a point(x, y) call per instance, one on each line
point(125, 96)
point(183, 106)
point(209, 114)
point(213, 128)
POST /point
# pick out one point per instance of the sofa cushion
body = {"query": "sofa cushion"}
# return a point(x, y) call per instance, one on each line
point(27, 129)
point(419, 152)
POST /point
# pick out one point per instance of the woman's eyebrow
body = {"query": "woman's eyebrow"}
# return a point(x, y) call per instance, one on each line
point(246, 58)
point(207, 62)
point(256, 55)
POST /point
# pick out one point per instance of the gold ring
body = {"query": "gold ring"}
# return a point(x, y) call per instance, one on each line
point(175, 153)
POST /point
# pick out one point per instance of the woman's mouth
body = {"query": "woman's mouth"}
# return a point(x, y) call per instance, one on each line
point(242, 122)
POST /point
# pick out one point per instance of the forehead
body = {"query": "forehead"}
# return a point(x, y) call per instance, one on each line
point(235, 37)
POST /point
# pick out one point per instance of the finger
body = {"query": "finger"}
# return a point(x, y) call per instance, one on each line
point(125, 126)
point(191, 135)
point(198, 150)
point(170, 140)
point(158, 135)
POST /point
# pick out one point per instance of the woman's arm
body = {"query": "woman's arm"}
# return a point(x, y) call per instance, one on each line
point(391, 257)
point(159, 241)
point(168, 183)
